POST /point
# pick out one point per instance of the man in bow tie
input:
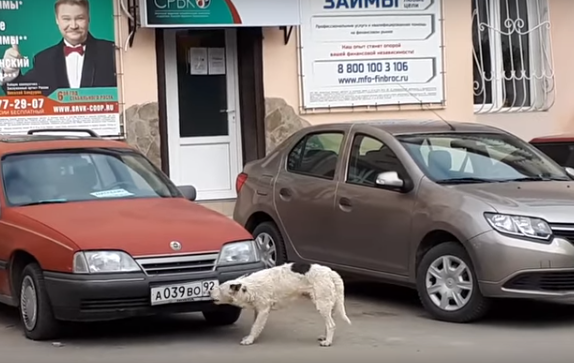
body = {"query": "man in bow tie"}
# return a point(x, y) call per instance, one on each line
point(78, 61)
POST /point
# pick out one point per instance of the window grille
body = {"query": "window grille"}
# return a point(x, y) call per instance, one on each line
point(512, 56)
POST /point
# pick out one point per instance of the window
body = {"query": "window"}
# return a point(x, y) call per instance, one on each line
point(562, 153)
point(481, 158)
point(369, 157)
point(512, 56)
point(68, 176)
point(201, 98)
point(316, 155)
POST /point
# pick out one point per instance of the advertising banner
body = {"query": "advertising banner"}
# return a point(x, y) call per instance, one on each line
point(220, 13)
point(57, 66)
point(371, 52)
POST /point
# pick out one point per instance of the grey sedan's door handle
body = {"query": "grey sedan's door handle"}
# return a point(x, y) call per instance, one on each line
point(345, 203)
point(285, 193)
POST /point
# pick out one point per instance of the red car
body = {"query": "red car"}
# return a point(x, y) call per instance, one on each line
point(91, 230)
point(559, 147)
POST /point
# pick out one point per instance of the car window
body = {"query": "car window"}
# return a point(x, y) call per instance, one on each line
point(68, 176)
point(562, 153)
point(459, 159)
point(368, 158)
point(316, 155)
point(482, 157)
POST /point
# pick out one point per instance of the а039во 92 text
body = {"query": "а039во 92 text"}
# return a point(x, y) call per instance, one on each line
point(182, 292)
point(373, 67)
point(21, 104)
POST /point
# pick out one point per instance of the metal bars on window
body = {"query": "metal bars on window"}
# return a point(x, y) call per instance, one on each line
point(512, 56)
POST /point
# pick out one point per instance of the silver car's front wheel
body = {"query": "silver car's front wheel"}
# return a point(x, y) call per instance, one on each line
point(270, 243)
point(449, 283)
point(267, 248)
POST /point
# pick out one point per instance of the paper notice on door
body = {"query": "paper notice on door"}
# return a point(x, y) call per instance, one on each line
point(198, 60)
point(216, 60)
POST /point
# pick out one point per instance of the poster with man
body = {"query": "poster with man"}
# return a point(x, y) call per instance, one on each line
point(58, 66)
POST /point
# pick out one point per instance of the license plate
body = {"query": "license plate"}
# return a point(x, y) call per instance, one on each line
point(183, 292)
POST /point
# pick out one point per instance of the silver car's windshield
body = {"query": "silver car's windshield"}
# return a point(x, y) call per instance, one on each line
point(78, 175)
point(460, 158)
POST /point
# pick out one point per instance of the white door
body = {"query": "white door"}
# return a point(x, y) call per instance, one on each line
point(204, 134)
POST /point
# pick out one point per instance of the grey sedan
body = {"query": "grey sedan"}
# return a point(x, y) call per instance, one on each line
point(462, 212)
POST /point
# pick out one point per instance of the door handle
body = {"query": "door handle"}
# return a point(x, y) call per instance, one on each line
point(345, 202)
point(285, 193)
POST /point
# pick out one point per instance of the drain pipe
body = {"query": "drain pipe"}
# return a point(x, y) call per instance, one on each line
point(120, 72)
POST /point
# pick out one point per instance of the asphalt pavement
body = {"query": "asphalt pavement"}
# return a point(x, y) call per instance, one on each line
point(389, 325)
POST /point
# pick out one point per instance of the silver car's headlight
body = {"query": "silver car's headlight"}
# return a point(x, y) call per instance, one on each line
point(95, 262)
point(238, 252)
point(520, 226)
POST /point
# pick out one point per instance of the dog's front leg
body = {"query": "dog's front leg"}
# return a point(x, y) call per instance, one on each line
point(257, 327)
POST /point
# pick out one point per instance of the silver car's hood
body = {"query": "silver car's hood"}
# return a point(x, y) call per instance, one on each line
point(552, 201)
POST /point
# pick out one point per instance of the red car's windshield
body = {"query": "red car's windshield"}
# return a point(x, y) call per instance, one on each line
point(79, 175)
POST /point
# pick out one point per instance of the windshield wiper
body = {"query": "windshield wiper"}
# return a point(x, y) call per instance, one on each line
point(39, 202)
point(535, 178)
point(468, 180)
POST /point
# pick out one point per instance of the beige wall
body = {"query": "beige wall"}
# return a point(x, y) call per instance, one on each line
point(139, 63)
point(139, 91)
point(140, 70)
point(137, 83)
point(281, 76)
point(560, 118)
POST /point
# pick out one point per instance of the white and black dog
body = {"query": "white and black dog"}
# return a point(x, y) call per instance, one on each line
point(275, 287)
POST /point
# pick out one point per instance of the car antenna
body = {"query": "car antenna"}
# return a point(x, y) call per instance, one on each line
point(452, 128)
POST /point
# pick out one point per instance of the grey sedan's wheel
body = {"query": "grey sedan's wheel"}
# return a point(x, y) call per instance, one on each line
point(222, 315)
point(448, 287)
point(35, 308)
point(270, 243)
point(449, 283)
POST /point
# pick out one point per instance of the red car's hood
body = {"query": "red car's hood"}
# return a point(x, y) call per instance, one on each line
point(139, 226)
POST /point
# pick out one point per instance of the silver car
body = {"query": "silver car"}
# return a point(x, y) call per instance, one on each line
point(462, 212)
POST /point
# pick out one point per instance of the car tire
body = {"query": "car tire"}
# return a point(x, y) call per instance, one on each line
point(222, 315)
point(475, 304)
point(34, 301)
point(270, 230)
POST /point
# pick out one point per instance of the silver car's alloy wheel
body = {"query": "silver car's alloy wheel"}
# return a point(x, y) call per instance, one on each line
point(449, 283)
point(29, 303)
point(267, 248)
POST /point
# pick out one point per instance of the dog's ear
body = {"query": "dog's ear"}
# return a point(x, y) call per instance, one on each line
point(235, 287)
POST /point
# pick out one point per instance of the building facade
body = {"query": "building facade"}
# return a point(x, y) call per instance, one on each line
point(200, 102)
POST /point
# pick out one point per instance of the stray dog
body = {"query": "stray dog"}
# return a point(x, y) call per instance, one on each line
point(275, 287)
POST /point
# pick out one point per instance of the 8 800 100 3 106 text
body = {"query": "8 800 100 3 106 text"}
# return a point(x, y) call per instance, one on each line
point(372, 67)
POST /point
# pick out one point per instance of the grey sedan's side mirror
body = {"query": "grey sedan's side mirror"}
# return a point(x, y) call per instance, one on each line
point(389, 180)
point(569, 171)
point(188, 192)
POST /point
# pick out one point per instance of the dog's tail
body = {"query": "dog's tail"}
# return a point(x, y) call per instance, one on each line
point(340, 291)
